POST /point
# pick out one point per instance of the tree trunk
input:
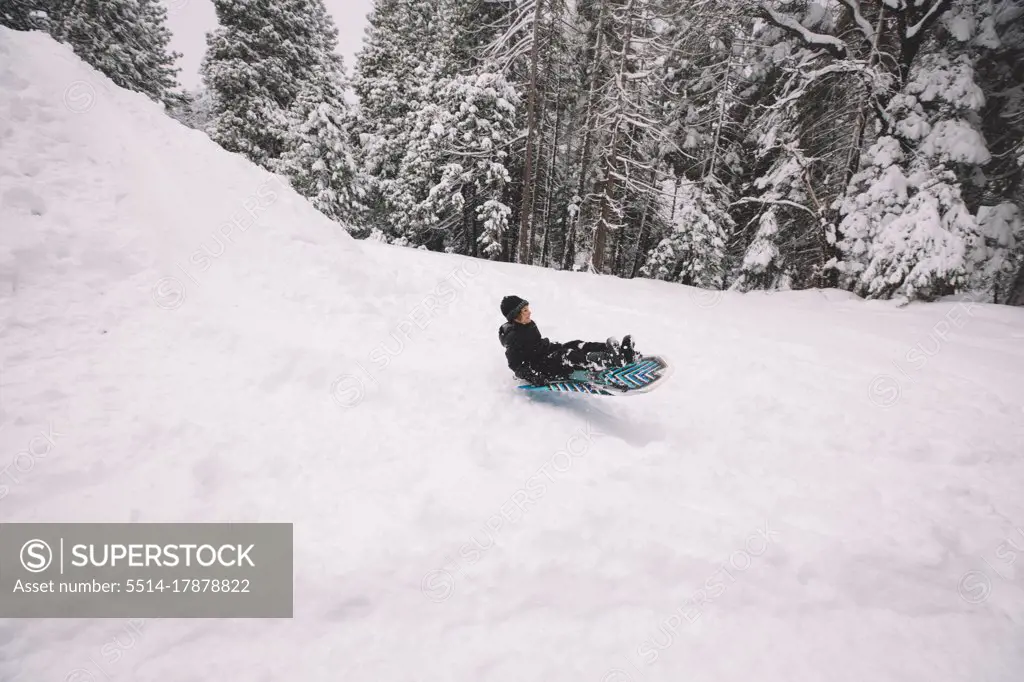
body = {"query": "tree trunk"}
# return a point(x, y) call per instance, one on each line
point(641, 242)
point(617, 252)
point(923, 17)
point(526, 211)
point(570, 249)
point(537, 179)
point(552, 82)
point(468, 221)
point(608, 183)
point(569, 253)
point(724, 96)
point(549, 180)
point(1016, 293)
point(508, 249)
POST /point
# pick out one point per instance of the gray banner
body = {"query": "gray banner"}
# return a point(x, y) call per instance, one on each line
point(146, 570)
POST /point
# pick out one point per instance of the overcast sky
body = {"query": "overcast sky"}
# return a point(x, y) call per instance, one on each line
point(189, 20)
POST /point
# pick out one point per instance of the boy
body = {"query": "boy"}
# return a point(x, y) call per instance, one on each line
point(535, 359)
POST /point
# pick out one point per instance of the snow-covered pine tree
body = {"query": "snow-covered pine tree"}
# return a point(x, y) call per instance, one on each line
point(476, 127)
point(25, 15)
point(906, 230)
point(421, 183)
point(262, 55)
point(991, 36)
point(907, 234)
point(999, 257)
point(533, 11)
point(127, 40)
point(693, 252)
point(413, 213)
point(763, 266)
point(156, 62)
point(396, 74)
point(838, 87)
point(1001, 72)
point(195, 109)
point(909, 228)
point(780, 248)
point(319, 160)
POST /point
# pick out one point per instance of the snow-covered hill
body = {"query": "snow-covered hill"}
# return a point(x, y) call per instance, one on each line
point(826, 489)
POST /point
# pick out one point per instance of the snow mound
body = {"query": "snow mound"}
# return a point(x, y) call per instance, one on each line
point(826, 489)
point(123, 169)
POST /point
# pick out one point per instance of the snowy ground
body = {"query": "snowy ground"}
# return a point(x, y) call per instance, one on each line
point(826, 489)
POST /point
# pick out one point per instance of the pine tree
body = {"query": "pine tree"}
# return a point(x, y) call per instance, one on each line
point(693, 252)
point(764, 265)
point(155, 63)
point(262, 56)
point(999, 257)
point(908, 232)
point(471, 132)
point(907, 228)
point(127, 40)
point(195, 109)
point(408, 50)
point(25, 15)
point(319, 160)
point(990, 36)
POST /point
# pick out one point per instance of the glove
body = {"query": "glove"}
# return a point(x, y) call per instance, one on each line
point(531, 376)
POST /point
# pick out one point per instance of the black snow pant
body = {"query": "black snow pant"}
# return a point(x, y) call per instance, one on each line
point(575, 353)
point(569, 357)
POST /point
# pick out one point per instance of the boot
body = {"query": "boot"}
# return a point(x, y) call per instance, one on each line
point(614, 352)
point(628, 352)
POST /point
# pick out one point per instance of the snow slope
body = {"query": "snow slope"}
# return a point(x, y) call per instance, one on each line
point(826, 489)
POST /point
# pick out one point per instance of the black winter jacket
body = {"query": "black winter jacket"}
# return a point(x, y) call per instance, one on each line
point(531, 356)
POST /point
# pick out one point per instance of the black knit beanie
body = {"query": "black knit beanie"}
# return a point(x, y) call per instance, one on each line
point(511, 306)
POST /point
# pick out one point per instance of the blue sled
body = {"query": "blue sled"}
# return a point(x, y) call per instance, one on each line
point(642, 376)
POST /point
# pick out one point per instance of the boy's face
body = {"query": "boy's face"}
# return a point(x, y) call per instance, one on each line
point(524, 316)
